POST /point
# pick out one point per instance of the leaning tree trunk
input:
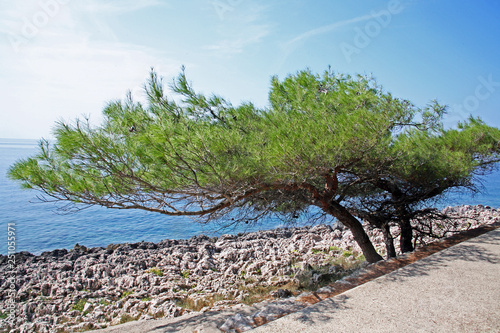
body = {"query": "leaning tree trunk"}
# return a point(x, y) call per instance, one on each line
point(335, 209)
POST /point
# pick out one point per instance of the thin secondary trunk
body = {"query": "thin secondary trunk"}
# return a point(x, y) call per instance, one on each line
point(406, 237)
point(359, 234)
point(389, 241)
point(384, 226)
point(406, 231)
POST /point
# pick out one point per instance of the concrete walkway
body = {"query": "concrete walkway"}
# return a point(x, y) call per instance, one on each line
point(455, 290)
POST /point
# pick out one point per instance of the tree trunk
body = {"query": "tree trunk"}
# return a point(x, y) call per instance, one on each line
point(406, 237)
point(389, 241)
point(382, 224)
point(359, 234)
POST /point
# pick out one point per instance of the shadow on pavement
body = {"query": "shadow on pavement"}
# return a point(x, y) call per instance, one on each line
point(322, 311)
point(473, 250)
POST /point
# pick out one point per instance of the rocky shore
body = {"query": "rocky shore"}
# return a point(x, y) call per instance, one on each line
point(83, 289)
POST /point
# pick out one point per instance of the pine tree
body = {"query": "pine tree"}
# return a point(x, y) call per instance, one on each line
point(331, 141)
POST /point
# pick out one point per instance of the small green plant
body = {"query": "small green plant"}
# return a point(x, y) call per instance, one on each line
point(346, 254)
point(185, 274)
point(156, 271)
point(3, 315)
point(333, 248)
point(104, 302)
point(258, 271)
point(80, 305)
point(145, 299)
point(317, 251)
point(126, 293)
point(242, 273)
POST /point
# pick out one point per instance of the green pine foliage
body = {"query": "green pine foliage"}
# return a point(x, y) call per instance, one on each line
point(325, 140)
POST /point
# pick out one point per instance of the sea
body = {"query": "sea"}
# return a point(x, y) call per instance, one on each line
point(37, 226)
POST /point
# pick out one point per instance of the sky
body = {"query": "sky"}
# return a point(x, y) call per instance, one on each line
point(65, 59)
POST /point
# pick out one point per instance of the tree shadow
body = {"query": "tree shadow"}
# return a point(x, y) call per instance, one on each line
point(214, 318)
point(323, 310)
point(474, 250)
point(191, 322)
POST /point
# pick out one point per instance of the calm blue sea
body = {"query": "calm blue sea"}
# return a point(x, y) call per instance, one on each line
point(39, 226)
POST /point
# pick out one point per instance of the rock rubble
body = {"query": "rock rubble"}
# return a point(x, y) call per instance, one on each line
point(90, 288)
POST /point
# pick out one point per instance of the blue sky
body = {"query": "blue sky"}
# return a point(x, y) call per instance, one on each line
point(61, 59)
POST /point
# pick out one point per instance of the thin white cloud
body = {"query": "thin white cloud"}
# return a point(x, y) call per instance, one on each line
point(325, 29)
point(63, 73)
point(241, 28)
point(237, 44)
point(64, 68)
point(117, 6)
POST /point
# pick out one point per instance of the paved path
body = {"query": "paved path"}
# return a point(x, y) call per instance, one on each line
point(455, 290)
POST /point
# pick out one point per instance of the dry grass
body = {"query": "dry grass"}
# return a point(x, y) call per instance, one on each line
point(200, 303)
point(259, 293)
point(125, 318)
